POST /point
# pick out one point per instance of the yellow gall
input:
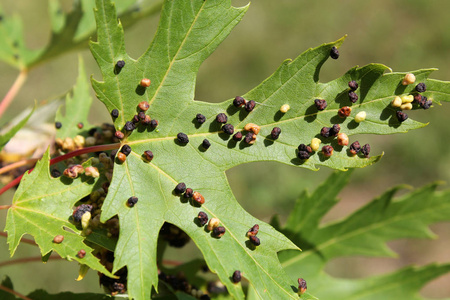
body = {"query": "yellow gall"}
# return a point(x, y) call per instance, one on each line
point(284, 108)
point(85, 219)
point(342, 139)
point(92, 171)
point(407, 99)
point(213, 223)
point(409, 79)
point(406, 106)
point(397, 102)
point(315, 144)
point(361, 116)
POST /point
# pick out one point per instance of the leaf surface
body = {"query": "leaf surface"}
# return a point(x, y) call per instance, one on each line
point(188, 33)
point(365, 232)
point(42, 207)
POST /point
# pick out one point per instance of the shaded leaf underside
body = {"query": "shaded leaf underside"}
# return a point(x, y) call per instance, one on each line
point(172, 61)
point(365, 233)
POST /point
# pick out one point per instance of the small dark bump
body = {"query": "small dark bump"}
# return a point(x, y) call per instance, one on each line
point(352, 97)
point(421, 87)
point(80, 125)
point(275, 133)
point(401, 116)
point(238, 101)
point(129, 126)
point(154, 123)
point(228, 129)
point(334, 53)
point(237, 276)
point(126, 149)
point(182, 138)
point(237, 136)
point(303, 147)
point(148, 155)
point(254, 230)
point(250, 105)
point(147, 120)
point(327, 150)
point(80, 211)
point(180, 188)
point(219, 231)
point(334, 130)
point(120, 64)
point(200, 118)
point(55, 173)
point(255, 240)
point(206, 144)
point(114, 113)
point(141, 115)
point(202, 218)
point(132, 201)
point(135, 119)
point(321, 104)
point(189, 193)
point(303, 155)
point(355, 147)
point(427, 104)
point(249, 137)
point(58, 125)
point(325, 132)
point(222, 118)
point(353, 85)
point(365, 150)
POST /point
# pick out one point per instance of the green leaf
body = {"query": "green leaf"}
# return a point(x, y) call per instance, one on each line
point(365, 232)
point(14, 128)
point(42, 206)
point(77, 107)
point(188, 33)
point(43, 295)
point(70, 31)
point(7, 283)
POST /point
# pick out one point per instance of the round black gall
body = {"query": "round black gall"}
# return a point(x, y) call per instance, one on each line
point(334, 53)
point(126, 149)
point(222, 118)
point(120, 64)
point(200, 118)
point(180, 188)
point(114, 113)
point(250, 105)
point(132, 201)
point(275, 133)
point(182, 138)
point(58, 125)
point(206, 144)
point(228, 129)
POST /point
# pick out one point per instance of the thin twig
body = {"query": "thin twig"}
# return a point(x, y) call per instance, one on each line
point(27, 259)
point(23, 240)
point(20, 80)
point(18, 164)
point(4, 206)
point(172, 262)
point(64, 157)
point(8, 290)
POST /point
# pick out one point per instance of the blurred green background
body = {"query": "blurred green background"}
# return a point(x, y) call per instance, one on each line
point(404, 35)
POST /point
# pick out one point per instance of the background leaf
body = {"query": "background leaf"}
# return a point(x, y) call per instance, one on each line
point(172, 62)
point(14, 128)
point(70, 31)
point(365, 232)
point(77, 107)
point(42, 206)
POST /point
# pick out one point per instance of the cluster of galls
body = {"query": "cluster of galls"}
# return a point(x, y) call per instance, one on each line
point(189, 193)
point(179, 283)
point(213, 224)
point(140, 119)
point(173, 235)
point(96, 136)
point(112, 286)
point(406, 102)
